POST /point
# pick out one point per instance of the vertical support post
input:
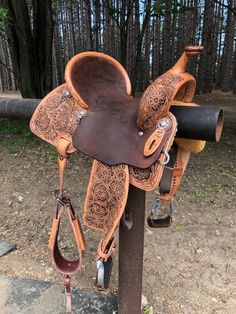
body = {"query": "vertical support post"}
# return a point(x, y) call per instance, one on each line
point(131, 255)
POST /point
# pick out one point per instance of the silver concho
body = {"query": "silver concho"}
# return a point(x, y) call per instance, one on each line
point(163, 123)
point(66, 93)
point(82, 113)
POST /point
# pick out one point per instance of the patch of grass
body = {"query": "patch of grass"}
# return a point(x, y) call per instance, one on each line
point(148, 310)
point(12, 146)
point(10, 127)
point(199, 194)
point(178, 228)
point(49, 154)
point(16, 137)
point(218, 188)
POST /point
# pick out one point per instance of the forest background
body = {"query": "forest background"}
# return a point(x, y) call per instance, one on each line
point(38, 37)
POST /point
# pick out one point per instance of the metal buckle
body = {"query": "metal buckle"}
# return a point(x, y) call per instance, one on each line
point(61, 199)
point(166, 160)
point(58, 197)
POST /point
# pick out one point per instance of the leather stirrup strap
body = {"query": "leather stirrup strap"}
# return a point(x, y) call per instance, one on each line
point(61, 162)
point(173, 174)
point(62, 264)
point(167, 189)
point(68, 293)
point(63, 157)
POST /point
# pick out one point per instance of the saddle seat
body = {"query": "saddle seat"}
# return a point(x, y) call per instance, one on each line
point(109, 133)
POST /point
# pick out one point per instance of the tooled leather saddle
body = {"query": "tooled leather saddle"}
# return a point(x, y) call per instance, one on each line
point(132, 141)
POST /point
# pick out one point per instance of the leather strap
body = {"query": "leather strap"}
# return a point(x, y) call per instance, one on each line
point(168, 187)
point(63, 156)
point(68, 293)
point(62, 264)
point(172, 176)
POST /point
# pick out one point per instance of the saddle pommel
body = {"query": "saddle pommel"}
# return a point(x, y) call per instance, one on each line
point(174, 84)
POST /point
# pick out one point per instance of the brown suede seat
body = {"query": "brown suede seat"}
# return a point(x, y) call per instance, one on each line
point(110, 133)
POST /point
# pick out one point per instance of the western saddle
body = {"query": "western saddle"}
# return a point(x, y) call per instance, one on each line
point(132, 141)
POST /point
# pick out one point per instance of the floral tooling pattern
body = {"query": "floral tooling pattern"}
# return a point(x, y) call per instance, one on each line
point(156, 100)
point(107, 195)
point(56, 115)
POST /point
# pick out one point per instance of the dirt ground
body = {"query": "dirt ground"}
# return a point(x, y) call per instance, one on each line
point(188, 268)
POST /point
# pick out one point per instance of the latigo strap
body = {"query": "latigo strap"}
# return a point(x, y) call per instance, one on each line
point(169, 185)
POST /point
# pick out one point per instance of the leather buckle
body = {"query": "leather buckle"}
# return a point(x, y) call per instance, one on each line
point(61, 198)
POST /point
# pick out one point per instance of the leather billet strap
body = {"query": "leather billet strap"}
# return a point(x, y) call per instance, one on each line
point(169, 184)
point(173, 174)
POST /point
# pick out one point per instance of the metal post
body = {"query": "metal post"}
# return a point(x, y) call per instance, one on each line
point(131, 255)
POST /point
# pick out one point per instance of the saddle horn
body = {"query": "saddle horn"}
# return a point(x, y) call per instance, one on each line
point(189, 51)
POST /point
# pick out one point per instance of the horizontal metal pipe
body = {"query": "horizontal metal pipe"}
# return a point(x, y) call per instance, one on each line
point(17, 108)
point(200, 123)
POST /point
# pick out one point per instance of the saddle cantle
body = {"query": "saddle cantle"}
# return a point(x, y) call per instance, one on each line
point(129, 139)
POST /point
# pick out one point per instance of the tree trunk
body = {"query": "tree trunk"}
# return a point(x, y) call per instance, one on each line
point(234, 74)
point(31, 49)
point(226, 68)
point(156, 45)
point(205, 74)
point(166, 37)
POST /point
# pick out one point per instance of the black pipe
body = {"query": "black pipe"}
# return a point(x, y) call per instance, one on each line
point(194, 122)
point(17, 108)
point(199, 123)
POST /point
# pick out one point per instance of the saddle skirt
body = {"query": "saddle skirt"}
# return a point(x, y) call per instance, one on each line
point(129, 138)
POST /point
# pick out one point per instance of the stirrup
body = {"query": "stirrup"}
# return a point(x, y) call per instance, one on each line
point(160, 222)
point(103, 275)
